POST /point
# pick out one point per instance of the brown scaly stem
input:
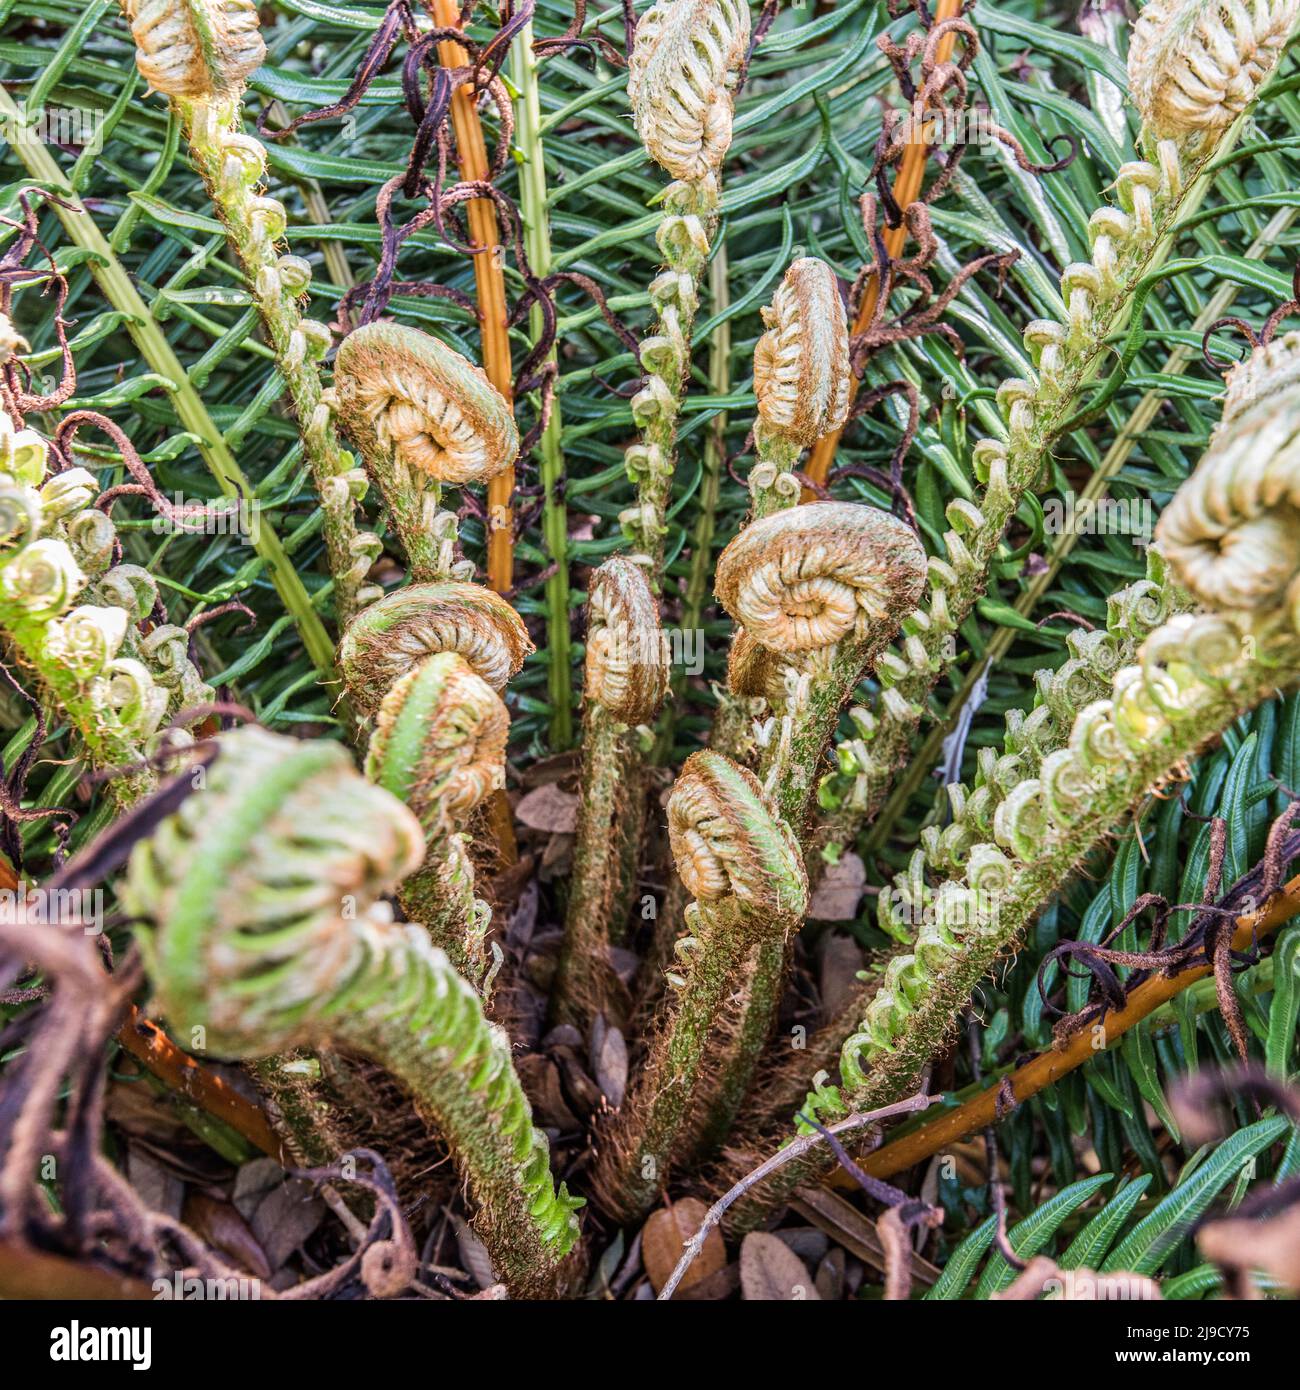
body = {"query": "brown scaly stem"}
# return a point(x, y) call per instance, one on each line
point(743, 865)
point(626, 681)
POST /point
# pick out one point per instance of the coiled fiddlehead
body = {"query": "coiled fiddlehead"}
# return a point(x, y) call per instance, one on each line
point(1195, 65)
point(821, 588)
point(422, 416)
point(682, 70)
point(383, 643)
point(439, 742)
point(1129, 240)
point(199, 53)
point(817, 591)
point(626, 681)
point(1232, 531)
point(267, 931)
point(1045, 804)
point(199, 49)
point(742, 863)
point(426, 663)
point(801, 378)
point(626, 665)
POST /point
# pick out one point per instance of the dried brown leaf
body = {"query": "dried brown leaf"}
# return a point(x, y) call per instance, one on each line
point(609, 1061)
point(550, 809)
point(840, 891)
point(664, 1237)
point(222, 1227)
point(770, 1272)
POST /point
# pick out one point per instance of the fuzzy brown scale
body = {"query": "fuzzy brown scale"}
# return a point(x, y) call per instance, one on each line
point(403, 391)
point(386, 639)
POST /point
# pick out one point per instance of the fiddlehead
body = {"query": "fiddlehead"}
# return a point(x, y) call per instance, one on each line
point(199, 54)
point(821, 588)
point(422, 417)
point(626, 682)
point(426, 663)
point(682, 71)
point(1195, 65)
point(801, 378)
point(1232, 531)
point(626, 665)
point(439, 742)
point(200, 49)
point(268, 931)
point(391, 636)
point(1048, 801)
point(1129, 240)
point(61, 609)
point(742, 863)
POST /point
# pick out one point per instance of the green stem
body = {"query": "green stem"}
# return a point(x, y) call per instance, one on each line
point(120, 291)
point(688, 226)
point(1118, 749)
point(414, 1015)
point(550, 454)
point(297, 344)
point(1139, 421)
point(1040, 413)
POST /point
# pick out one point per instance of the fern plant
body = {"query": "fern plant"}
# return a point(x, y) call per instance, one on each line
point(900, 504)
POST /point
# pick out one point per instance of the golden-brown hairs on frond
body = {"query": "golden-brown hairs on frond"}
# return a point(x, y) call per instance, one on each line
point(808, 577)
point(431, 407)
point(439, 742)
point(389, 638)
point(1195, 65)
point(1232, 531)
point(801, 364)
point(684, 64)
point(728, 840)
point(626, 663)
point(196, 49)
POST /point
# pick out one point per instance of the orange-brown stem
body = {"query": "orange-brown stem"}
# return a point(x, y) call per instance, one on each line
point(907, 188)
point(156, 1052)
point(490, 283)
point(1043, 1070)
